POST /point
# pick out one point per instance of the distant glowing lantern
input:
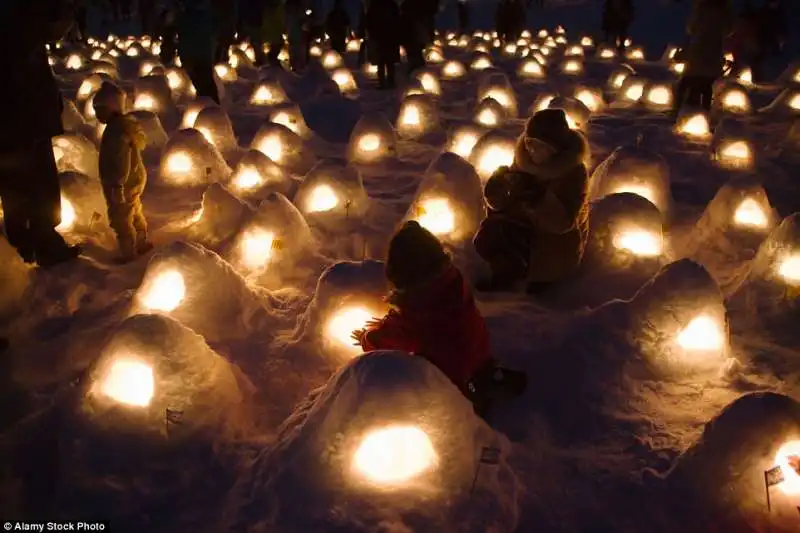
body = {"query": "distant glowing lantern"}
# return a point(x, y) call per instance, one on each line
point(531, 69)
point(574, 50)
point(463, 143)
point(429, 83)
point(587, 42)
point(695, 127)
point(607, 53)
point(272, 147)
point(788, 458)
point(436, 216)
point(322, 198)
point(146, 68)
point(572, 66)
point(265, 95)
point(394, 455)
point(510, 49)
point(411, 116)
point(488, 117)
point(354, 45)
point(133, 51)
point(331, 60)
point(225, 72)
point(453, 70)
point(660, 95)
point(789, 269)
point(703, 334)
point(344, 80)
point(543, 34)
point(344, 322)
point(257, 248)
point(750, 214)
point(590, 99)
point(745, 77)
point(68, 216)
point(315, 51)
point(434, 56)
point(639, 189)
point(74, 62)
point(794, 102)
point(634, 91)
point(175, 80)
point(129, 382)
point(736, 101)
point(481, 63)
point(494, 157)
point(369, 143)
point(735, 154)
point(146, 102)
point(166, 292)
point(636, 54)
point(639, 242)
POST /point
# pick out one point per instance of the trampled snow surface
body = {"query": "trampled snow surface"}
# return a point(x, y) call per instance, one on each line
point(645, 409)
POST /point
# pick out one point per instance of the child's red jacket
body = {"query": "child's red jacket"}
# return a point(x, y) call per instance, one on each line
point(440, 322)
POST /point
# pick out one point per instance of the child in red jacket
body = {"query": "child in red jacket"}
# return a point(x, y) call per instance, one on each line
point(433, 314)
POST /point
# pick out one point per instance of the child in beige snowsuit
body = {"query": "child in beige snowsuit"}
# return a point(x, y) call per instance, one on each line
point(122, 172)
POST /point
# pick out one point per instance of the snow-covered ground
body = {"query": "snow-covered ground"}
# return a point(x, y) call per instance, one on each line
point(661, 382)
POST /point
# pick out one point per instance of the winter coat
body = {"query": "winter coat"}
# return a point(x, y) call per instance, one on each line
point(548, 203)
point(337, 23)
point(122, 171)
point(383, 36)
point(744, 41)
point(439, 321)
point(31, 100)
point(197, 32)
point(709, 24)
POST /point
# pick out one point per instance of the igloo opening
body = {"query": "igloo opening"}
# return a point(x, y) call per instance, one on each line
point(627, 230)
point(189, 160)
point(634, 170)
point(221, 215)
point(152, 93)
point(449, 202)
point(268, 93)
point(694, 126)
point(732, 98)
point(215, 125)
point(75, 153)
point(200, 290)
point(492, 151)
point(572, 66)
point(490, 114)
point(372, 140)
point(273, 242)
point(418, 117)
point(659, 97)
point(732, 152)
point(256, 176)
point(679, 323)
point(154, 368)
point(331, 190)
point(284, 147)
point(386, 435)
point(290, 116)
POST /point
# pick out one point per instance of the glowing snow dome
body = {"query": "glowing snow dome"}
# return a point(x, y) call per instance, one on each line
point(291, 117)
point(531, 70)
point(786, 103)
point(153, 129)
point(627, 231)
point(722, 473)
point(490, 114)
point(15, 279)
point(268, 93)
point(372, 140)
point(636, 170)
point(679, 323)
point(189, 160)
point(590, 97)
point(428, 81)
point(153, 365)
point(495, 86)
point(606, 53)
point(83, 205)
point(418, 117)
point(220, 216)
point(75, 153)
point(106, 66)
point(180, 83)
point(203, 292)
point(386, 434)
point(90, 85)
point(215, 125)
point(332, 191)
point(449, 202)
point(152, 93)
point(732, 98)
point(273, 243)
point(617, 78)
point(462, 140)
point(192, 111)
point(493, 150)
point(257, 176)
point(284, 147)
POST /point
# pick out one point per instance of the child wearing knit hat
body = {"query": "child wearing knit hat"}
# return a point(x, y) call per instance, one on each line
point(537, 223)
point(122, 172)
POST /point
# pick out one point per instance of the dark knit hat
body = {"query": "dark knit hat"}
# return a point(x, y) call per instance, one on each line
point(549, 126)
point(415, 256)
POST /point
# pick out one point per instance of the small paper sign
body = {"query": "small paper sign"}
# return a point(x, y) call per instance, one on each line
point(490, 455)
point(277, 244)
point(774, 476)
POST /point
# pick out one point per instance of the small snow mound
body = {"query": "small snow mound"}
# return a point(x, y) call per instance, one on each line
point(189, 160)
point(284, 147)
point(156, 135)
point(290, 116)
point(497, 87)
point(332, 191)
point(732, 97)
point(193, 110)
point(75, 153)
point(492, 151)
point(14, 279)
point(215, 125)
point(722, 474)
point(636, 170)
point(221, 215)
point(373, 139)
point(786, 103)
point(347, 296)
point(199, 289)
point(273, 242)
point(632, 92)
point(256, 176)
point(342, 450)
point(83, 204)
point(679, 323)
point(152, 366)
point(71, 119)
point(268, 93)
point(449, 201)
point(418, 117)
point(490, 114)
point(180, 83)
point(152, 93)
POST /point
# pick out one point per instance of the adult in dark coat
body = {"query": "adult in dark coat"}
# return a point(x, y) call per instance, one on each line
point(383, 39)
point(337, 26)
point(29, 185)
point(414, 15)
point(538, 221)
point(617, 18)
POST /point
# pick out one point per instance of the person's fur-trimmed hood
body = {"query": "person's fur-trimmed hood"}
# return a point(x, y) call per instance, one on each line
point(576, 151)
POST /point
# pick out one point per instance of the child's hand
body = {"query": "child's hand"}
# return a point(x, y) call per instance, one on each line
point(372, 323)
point(357, 335)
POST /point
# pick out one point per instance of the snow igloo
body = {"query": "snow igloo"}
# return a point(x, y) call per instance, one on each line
point(15, 278)
point(192, 110)
point(152, 93)
point(636, 170)
point(531, 71)
point(490, 114)
point(153, 129)
point(331, 192)
point(190, 160)
point(754, 439)
point(492, 151)
point(577, 113)
point(199, 289)
point(418, 117)
point(268, 93)
point(71, 119)
point(497, 87)
point(215, 125)
point(220, 216)
point(391, 444)
point(273, 243)
point(290, 116)
point(284, 147)
point(590, 97)
point(462, 140)
point(83, 205)
point(257, 176)
point(155, 370)
point(75, 153)
point(372, 140)
point(679, 324)
point(617, 78)
point(180, 83)
point(733, 98)
point(449, 202)
point(347, 296)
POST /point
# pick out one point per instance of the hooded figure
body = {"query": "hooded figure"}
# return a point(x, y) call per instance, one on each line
point(433, 311)
point(122, 172)
point(538, 220)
